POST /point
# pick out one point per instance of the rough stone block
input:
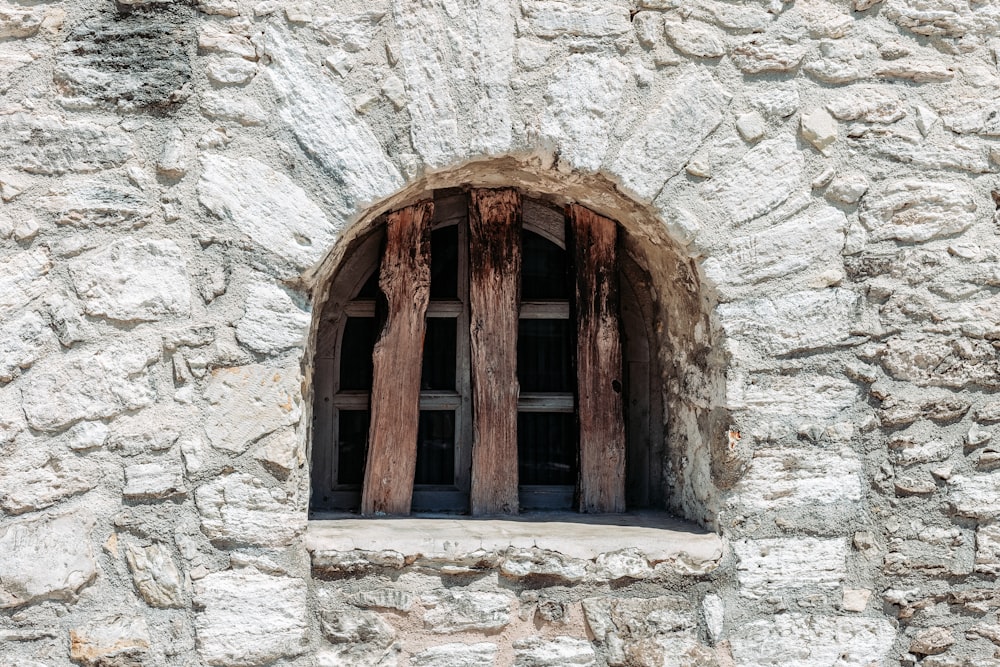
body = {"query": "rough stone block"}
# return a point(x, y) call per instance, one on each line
point(697, 39)
point(348, 625)
point(797, 640)
point(248, 618)
point(976, 496)
point(790, 566)
point(582, 18)
point(481, 654)
point(460, 611)
point(556, 652)
point(133, 61)
point(522, 563)
point(156, 576)
point(941, 362)
point(242, 110)
point(802, 396)
point(46, 558)
point(658, 149)
point(98, 203)
point(913, 210)
point(134, 280)
point(268, 207)
point(272, 321)
point(115, 640)
point(23, 339)
point(757, 55)
point(23, 279)
point(153, 481)
point(36, 482)
point(783, 478)
point(241, 509)
point(48, 145)
point(248, 402)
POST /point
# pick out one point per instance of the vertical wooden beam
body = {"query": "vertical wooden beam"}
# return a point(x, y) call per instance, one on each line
point(404, 279)
point(494, 297)
point(598, 362)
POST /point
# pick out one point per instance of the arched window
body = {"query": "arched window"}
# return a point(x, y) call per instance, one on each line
point(469, 357)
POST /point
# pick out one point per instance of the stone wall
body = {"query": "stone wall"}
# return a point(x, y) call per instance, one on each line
point(179, 180)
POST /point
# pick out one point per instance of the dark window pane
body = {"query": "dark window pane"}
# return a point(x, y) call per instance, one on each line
point(444, 263)
point(352, 443)
point(439, 354)
point(543, 355)
point(546, 448)
point(544, 269)
point(370, 289)
point(356, 353)
point(436, 447)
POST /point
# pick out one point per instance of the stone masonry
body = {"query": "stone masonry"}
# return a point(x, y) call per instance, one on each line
point(813, 183)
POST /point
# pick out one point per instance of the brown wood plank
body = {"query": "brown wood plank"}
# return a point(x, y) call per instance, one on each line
point(494, 292)
point(404, 278)
point(599, 362)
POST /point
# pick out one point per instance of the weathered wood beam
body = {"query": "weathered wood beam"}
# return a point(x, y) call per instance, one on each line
point(404, 279)
point(494, 293)
point(599, 362)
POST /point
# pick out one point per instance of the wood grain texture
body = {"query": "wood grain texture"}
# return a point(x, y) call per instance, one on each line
point(494, 293)
point(404, 278)
point(599, 362)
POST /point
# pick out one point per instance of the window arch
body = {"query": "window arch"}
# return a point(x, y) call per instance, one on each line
point(468, 274)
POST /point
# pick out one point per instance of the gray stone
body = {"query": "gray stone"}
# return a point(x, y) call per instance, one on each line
point(383, 598)
point(241, 509)
point(280, 452)
point(134, 280)
point(348, 625)
point(461, 611)
point(98, 203)
point(670, 135)
point(267, 206)
point(153, 481)
point(156, 576)
point(988, 548)
point(42, 144)
point(931, 641)
point(133, 61)
point(116, 640)
point(785, 396)
point(46, 558)
point(249, 618)
point(248, 402)
point(271, 321)
point(324, 121)
point(90, 385)
point(975, 496)
point(481, 654)
point(555, 652)
point(913, 210)
point(799, 640)
point(790, 566)
point(581, 103)
point(23, 339)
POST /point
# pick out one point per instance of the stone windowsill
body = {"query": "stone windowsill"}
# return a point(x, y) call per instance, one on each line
point(572, 547)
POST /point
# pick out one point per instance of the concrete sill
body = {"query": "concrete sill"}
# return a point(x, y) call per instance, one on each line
point(571, 547)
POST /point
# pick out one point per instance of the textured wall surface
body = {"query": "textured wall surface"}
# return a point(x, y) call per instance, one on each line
point(814, 185)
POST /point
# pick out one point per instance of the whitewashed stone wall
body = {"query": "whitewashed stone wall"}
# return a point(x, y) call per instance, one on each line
point(814, 183)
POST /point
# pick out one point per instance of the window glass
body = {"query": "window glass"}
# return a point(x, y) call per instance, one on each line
point(356, 353)
point(546, 448)
point(439, 354)
point(543, 356)
point(353, 438)
point(544, 269)
point(436, 447)
point(444, 263)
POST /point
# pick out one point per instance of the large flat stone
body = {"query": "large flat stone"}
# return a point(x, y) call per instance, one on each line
point(29, 484)
point(790, 566)
point(579, 18)
point(554, 652)
point(782, 478)
point(90, 384)
point(912, 210)
point(156, 576)
point(465, 611)
point(23, 278)
point(802, 396)
point(322, 118)
point(49, 145)
point(241, 509)
point(479, 654)
point(975, 496)
point(798, 640)
point(581, 103)
point(272, 321)
point(134, 280)
point(98, 203)
point(248, 618)
point(115, 640)
point(248, 402)
point(660, 147)
point(23, 339)
point(268, 207)
point(46, 558)
point(943, 18)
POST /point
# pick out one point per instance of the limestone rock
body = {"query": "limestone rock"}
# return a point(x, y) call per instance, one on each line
point(156, 576)
point(757, 55)
point(784, 396)
point(271, 321)
point(214, 38)
point(779, 99)
point(249, 618)
point(42, 144)
point(790, 566)
point(23, 279)
point(988, 548)
point(231, 71)
point(86, 435)
point(917, 70)
point(23, 339)
point(240, 509)
point(348, 625)
point(134, 280)
point(351, 32)
point(847, 188)
point(324, 121)
point(581, 102)
point(46, 558)
point(586, 18)
point(819, 128)
point(759, 181)
point(520, 563)
point(245, 111)
point(248, 402)
point(617, 623)
point(939, 361)
point(975, 496)
point(670, 135)
point(913, 210)
point(36, 482)
point(90, 385)
point(961, 154)
point(694, 38)
point(945, 19)
point(98, 203)
point(153, 481)
point(797, 639)
point(868, 105)
point(782, 478)
point(751, 126)
point(280, 453)
point(133, 61)
point(20, 22)
point(173, 160)
point(460, 611)
point(556, 652)
point(115, 640)
point(932, 641)
point(383, 598)
point(267, 206)
point(972, 115)
point(456, 655)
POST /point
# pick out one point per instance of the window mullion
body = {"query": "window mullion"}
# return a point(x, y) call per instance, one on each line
point(494, 295)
